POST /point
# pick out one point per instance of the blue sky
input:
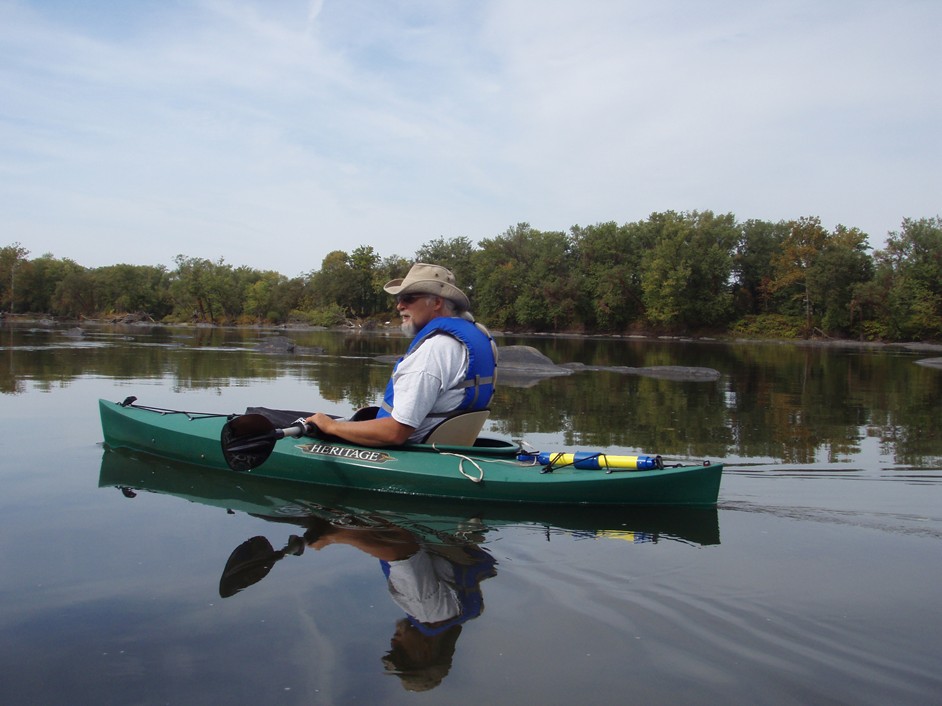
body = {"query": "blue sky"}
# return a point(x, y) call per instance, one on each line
point(271, 132)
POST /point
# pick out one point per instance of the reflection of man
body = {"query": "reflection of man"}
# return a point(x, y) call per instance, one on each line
point(438, 586)
point(438, 591)
point(450, 364)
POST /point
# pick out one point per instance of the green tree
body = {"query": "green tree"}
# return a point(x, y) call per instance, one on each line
point(352, 281)
point(609, 260)
point(759, 243)
point(75, 295)
point(457, 254)
point(259, 297)
point(39, 279)
point(685, 280)
point(524, 280)
point(805, 241)
point(906, 297)
point(12, 258)
point(328, 285)
point(365, 293)
point(132, 288)
point(835, 276)
point(204, 290)
point(272, 297)
point(231, 285)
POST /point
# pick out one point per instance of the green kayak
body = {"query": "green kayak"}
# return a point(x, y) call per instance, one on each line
point(491, 470)
point(432, 520)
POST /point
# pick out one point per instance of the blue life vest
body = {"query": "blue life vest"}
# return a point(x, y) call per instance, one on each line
point(478, 382)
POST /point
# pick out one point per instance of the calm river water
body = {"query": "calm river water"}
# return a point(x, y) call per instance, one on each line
point(816, 579)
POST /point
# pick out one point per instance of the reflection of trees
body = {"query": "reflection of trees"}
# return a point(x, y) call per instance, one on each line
point(193, 358)
point(794, 404)
point(907, 420)
point(358, 382)
point(791, 403)
point(612, 409)
point(799, 404)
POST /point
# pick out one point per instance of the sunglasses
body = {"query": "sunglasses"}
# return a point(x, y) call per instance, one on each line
point(408, 299)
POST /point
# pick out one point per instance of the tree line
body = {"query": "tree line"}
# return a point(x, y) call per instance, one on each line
point(675, 272)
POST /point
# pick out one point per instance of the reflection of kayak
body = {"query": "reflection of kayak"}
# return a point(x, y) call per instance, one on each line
point(489, 470)
point(434, 520)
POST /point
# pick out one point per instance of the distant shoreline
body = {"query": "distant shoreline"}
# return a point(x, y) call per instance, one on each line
point(912, 346)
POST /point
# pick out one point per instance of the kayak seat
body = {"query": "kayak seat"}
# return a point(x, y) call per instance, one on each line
point(459, 430)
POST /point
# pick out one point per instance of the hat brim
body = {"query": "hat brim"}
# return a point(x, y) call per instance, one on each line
point(429, 286)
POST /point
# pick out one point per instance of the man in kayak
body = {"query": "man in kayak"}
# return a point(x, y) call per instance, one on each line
point(449, 367)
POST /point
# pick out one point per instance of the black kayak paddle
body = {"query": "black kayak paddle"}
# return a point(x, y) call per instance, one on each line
point(251, 561)
point(248, 439)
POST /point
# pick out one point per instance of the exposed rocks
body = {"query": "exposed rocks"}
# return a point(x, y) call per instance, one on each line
point(525, 358)
point(930, 362)
point(523, 366)
point(663, 372)
point(138, 318)
point(276, 344)
point(282, 345)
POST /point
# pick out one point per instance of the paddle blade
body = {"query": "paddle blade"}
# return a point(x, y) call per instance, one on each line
point(248, 564)
point(247, 441)
point(250, 425)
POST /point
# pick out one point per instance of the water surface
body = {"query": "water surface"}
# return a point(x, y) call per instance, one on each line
point(814, 581)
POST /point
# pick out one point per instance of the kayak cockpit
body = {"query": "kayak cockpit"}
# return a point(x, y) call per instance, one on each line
point(482, 446)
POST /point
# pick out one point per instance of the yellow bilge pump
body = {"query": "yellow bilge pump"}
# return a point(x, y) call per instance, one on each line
point(593, 461)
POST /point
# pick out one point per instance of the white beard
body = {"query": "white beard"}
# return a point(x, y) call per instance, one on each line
point(409, 328)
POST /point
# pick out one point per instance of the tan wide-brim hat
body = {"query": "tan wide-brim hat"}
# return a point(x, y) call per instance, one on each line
point(429, 279)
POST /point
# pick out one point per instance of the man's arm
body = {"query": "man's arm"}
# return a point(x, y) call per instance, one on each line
point(384, 431)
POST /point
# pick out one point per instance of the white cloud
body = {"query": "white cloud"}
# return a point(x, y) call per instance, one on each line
point(229, 127)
